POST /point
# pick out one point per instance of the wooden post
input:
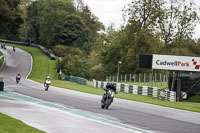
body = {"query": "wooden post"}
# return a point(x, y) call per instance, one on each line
point(144, 78)
point(160, 77)
point(134, 80)
point(125, 77)
point(139, 77)
point(149, 77)
point(130, 78)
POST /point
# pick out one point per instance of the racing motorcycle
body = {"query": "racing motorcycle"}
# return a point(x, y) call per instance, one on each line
point(107, 98)
point(13, 48)
point(18, 77)
point(47, 84)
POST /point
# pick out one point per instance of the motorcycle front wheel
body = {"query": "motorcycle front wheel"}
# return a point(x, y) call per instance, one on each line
point(46, 88)
point(102, 106)
point(108, 102)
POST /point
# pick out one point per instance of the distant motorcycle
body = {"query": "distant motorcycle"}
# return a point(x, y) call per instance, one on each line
point(13, 48)
point(18, 77)
point(107, 98)
point(47, 84)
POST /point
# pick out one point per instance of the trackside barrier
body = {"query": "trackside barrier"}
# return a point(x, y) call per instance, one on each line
point(79, 80)
point(45, 50)
point(140, 90)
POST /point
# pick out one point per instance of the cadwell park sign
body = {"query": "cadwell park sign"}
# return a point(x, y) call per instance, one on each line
point(175, 63)
point(182, 63)
point(169, 62)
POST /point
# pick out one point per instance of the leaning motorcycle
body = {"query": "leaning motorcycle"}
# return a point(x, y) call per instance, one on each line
point(18, 79)
point(107, 98)
point(47, 84)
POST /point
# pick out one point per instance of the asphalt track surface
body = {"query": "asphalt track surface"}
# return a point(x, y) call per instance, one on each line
point(80, 112)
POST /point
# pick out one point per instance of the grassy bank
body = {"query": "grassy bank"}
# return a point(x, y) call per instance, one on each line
point(43, 64)
point(11, 125)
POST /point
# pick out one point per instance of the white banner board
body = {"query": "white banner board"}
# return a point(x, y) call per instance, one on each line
point(182, 63)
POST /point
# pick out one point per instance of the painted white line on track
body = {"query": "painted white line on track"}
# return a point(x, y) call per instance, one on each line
point(21, 97)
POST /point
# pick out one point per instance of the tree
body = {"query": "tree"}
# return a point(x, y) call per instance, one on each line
point(75, 63)
point(91, 21)
point(173, 20)
point(10, 16)
point(33, 20)
point(176, 22)
point(143, 13)
point(72, 32)
point(44, 14)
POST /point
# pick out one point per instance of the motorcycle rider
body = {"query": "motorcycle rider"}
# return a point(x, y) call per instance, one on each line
point(13, 48)
point(18, 77)
point(110, 86)
point(47, 80)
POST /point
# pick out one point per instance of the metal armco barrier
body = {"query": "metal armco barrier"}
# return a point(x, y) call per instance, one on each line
point(78, 80)
point(140, 90)
point(45, 50)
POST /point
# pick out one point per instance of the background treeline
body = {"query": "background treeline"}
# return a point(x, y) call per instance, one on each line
point(88, 49)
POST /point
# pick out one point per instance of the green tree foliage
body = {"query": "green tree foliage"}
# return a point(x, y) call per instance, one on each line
point(73, 32)
point(10, 18)
point(151, 27)
point(60, 50)
point(142, 13)
point(92, 23)
point(126, 47)
point(75, 63)
point(173, 20)
point(176, 22)
point(43, 15)
point(33, 20)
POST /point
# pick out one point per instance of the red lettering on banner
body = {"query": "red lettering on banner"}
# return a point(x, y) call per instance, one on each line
point(183, 64)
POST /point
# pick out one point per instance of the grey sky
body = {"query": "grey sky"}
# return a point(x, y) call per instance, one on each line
point(110, 11)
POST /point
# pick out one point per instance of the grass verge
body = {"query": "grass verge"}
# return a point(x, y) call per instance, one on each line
point(11, 125)
point(38, 71)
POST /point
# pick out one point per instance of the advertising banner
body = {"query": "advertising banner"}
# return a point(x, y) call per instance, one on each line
point(182, 63)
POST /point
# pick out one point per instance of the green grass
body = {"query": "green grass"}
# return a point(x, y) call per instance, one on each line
point(11, 125)
point(41, 67)
point(1, 60)
point(195, 98)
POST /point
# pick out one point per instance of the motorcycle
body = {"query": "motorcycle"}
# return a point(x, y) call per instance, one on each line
point(18, 79)
point(13, 48)
point(107, 98)
point(47, 84)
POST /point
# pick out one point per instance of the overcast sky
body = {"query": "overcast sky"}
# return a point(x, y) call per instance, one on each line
point(110, 11)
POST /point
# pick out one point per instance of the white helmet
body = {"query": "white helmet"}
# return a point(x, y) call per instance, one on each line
point(48, 77)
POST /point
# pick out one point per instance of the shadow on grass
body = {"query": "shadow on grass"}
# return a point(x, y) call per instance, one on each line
point(194, 99)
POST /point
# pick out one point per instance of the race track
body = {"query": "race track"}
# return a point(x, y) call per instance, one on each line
point(71, 111)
